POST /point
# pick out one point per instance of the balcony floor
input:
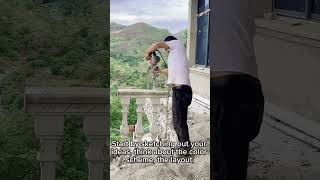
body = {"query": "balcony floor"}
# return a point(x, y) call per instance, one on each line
point(273, 156)
point(276, 155)
point(198, 121)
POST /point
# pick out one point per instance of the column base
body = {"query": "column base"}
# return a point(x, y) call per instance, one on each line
point(96, 170)
point(48, 170)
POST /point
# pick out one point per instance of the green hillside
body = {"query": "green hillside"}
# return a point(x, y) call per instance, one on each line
point(128, 67)
point(48, 43)
point(132, 41)
point(127, 48)
point(116, 27)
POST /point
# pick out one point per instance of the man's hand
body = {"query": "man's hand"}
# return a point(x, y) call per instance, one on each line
point(157, 70)
point(147, 55)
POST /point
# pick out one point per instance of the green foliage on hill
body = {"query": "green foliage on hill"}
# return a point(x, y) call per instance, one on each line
point(128, 67)
point(116, 27)
point(130, 42)
point(48, 43)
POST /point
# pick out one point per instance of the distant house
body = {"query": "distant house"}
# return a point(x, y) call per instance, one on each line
point(198, 49)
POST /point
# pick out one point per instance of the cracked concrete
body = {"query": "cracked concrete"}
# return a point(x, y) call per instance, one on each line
point(199, 127)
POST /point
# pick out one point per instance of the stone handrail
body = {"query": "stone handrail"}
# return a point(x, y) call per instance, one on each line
point(140, 95)
point(49, 105)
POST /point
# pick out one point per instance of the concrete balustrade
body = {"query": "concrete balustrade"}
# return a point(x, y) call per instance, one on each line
point(140, 95)
point(49, 106)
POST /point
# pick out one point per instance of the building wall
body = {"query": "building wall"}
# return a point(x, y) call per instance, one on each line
point(192, 32)
point(288, 59)
point(199, 77)
point(200, 82)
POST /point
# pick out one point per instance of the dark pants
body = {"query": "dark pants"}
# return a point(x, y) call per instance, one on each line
point(181, 99)
point(238, 105)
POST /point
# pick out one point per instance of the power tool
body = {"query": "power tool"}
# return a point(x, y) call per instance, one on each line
point(153, 66)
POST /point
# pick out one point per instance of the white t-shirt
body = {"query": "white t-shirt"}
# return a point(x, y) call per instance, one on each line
point(233, 29)
point(178, 64)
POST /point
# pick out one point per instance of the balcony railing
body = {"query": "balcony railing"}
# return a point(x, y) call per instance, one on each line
point(50, 105)
point(141, 96)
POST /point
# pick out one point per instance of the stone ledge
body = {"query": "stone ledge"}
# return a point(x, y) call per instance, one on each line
point(200, 71)
point(293, 124)
point(66, 95)
point(290, 29)
point(67, 108)
point(66, 100)
point(142, 93)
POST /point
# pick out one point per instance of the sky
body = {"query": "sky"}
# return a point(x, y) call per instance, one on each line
point(167, 14)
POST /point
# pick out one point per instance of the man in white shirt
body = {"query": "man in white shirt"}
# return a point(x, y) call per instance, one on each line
point(237, 97)
point(179, 81)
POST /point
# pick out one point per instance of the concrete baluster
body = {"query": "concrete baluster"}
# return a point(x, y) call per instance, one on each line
point(154, 127)
point(139, 126)
point(124, 128)
point(49, 129)
point(95, 128)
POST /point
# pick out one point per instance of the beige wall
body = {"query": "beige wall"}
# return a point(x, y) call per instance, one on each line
point(289, 64)
point(200, 82)
point(290, 75)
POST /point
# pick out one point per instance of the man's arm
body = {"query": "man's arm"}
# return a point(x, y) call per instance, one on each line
point(154, 47)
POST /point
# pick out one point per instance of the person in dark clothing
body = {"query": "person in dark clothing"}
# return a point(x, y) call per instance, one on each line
point(237, 97)
point(179, 82)
point(238, 105)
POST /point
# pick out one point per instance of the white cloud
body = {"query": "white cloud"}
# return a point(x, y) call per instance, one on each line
point(169, 14)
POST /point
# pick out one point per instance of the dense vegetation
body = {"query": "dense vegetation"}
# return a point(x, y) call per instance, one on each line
point(48, 43)
point(62, 43)
point(127, 65)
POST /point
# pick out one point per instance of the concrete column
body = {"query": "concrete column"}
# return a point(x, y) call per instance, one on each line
point(95, 128)
point(49, 129)
point(154, 127)
point(192, 32)
point(124, 128)
point(139, 126)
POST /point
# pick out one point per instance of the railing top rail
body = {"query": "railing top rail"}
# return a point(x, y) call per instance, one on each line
point(62, 95)
point(142, 93)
